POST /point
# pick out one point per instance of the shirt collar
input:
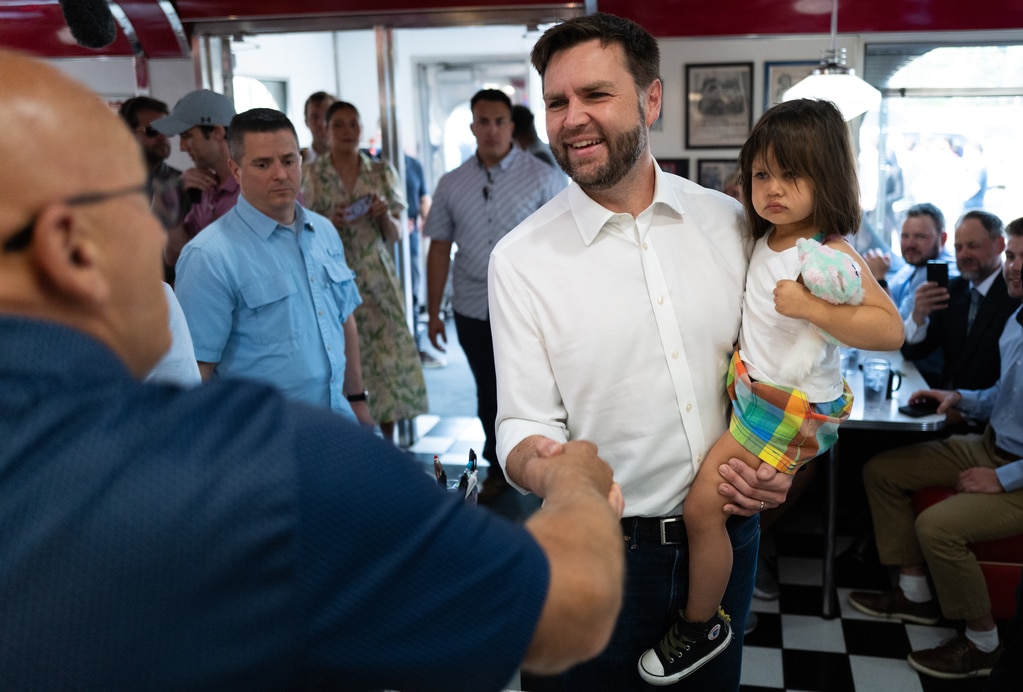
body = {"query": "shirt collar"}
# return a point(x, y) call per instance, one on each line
point(984, 286)
point(593, 217)
point(504, 163)
point(261, 224)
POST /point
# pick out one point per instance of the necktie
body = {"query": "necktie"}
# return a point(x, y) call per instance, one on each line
point(974, 304)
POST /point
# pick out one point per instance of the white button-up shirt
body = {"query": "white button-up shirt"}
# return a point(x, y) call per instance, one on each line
point(618, 330)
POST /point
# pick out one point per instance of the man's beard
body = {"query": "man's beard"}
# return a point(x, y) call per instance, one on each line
point(623, 151)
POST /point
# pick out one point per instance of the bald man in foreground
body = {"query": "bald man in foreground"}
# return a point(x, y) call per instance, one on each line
point(221, 537)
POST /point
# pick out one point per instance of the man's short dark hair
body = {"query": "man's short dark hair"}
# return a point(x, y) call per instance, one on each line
point(523, 119)
point(129, 110)
point(255, 120)
point(317, 97)
point(495, 95)
point(1014, 227)
point(928, 209)
point(642, 54)
point(991, 223)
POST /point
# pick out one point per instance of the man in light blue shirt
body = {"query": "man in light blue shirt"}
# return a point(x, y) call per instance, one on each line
point(265, 288)
point(987, 473)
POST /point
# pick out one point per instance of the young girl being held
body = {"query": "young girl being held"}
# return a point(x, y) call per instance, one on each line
point(798, 182)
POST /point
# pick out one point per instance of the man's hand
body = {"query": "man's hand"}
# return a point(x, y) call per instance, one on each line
point(978, 480)
point(361, 411)
point(752, 491)
point(878, 262)
point(437, 332)
point(198, 179)
point(947, 398)
point(929, 298)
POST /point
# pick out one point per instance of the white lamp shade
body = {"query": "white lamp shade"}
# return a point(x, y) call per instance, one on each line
point(842, 87)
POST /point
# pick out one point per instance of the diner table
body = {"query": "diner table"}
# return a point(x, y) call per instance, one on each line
point(887, 418)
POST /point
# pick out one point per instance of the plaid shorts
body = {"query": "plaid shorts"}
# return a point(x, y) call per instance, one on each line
point(779, 424)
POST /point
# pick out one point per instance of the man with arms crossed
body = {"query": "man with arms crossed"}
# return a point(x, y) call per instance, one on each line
point(222, 537)
point(615, 310)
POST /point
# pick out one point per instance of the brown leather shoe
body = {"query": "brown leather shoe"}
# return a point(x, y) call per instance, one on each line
point(954, 659)
point(894, 605)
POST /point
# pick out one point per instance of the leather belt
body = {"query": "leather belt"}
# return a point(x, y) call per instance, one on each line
point(665, 530)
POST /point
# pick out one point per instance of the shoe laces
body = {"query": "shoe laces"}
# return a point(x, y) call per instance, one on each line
point(676, 641)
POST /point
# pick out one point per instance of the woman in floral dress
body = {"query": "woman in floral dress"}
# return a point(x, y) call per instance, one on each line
point(364, 199)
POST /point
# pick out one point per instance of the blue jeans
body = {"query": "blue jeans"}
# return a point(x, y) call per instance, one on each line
point(657, 584)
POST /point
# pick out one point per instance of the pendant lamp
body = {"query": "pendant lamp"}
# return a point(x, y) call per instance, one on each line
point(834, 81)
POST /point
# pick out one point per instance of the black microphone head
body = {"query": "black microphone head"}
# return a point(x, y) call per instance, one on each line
point(90, 21)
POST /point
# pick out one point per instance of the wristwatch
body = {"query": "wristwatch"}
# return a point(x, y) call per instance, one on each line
point(361, 396)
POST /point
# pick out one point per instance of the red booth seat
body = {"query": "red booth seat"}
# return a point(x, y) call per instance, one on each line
point(1000, 560)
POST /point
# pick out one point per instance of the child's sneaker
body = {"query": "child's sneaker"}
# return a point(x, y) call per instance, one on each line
point(685, 647)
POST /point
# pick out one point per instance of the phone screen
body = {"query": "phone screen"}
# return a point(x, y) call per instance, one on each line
point(938, 273)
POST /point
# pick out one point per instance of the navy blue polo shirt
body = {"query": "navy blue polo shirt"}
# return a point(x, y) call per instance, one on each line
point(224, 538)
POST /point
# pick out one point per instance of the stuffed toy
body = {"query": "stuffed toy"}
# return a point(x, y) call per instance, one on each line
point(832, 276)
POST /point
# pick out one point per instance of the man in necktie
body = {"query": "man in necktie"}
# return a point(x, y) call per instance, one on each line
point(964, 322)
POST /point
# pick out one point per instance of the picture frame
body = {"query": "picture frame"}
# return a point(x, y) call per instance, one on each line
point(780, 76)
point(712, 173)
point(719, 104)
point(679, 167)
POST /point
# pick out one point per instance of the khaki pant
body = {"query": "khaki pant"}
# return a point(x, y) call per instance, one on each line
point(939, 536)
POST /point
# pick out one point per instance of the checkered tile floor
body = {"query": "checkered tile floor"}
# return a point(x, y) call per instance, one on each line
point(792, 647)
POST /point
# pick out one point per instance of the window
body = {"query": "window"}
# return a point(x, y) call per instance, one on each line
point(947, 132)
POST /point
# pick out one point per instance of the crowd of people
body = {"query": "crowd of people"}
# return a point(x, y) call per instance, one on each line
point(197, 366)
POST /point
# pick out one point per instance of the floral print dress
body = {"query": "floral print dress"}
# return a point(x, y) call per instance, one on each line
point(391, 369)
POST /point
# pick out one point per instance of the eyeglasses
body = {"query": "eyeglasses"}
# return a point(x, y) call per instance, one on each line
point(489, 187)
point(148, 131)
point(23, 238)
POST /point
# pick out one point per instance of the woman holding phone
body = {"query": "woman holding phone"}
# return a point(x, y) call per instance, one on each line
point(364, 199)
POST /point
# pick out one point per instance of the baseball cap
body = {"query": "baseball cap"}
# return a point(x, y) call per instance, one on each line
point(202, 107)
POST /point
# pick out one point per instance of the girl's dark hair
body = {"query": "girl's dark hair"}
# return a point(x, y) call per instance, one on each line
point(809, 138)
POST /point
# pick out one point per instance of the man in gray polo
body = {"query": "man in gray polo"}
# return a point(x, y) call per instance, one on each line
point(474, 206)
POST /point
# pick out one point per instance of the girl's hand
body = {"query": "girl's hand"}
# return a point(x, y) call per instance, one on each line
point(791, 299)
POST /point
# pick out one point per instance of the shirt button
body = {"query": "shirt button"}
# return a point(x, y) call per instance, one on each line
point(674, 354)
point(699, 457)
point(689, 407)
point(644, 246)
point(660, 300)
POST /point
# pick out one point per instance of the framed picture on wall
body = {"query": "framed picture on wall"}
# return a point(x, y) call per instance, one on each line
point(713, 173)
point(780, 76)
point(679, 167)
point(719, 105)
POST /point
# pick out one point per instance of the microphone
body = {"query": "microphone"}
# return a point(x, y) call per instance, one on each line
point(90, 21)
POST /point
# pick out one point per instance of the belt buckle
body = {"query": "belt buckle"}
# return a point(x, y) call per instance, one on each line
point(663, 523)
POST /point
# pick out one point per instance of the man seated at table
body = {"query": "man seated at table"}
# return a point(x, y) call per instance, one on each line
point(922, 239)
point(987, 473)
point(222, 537)
point(965, 321)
